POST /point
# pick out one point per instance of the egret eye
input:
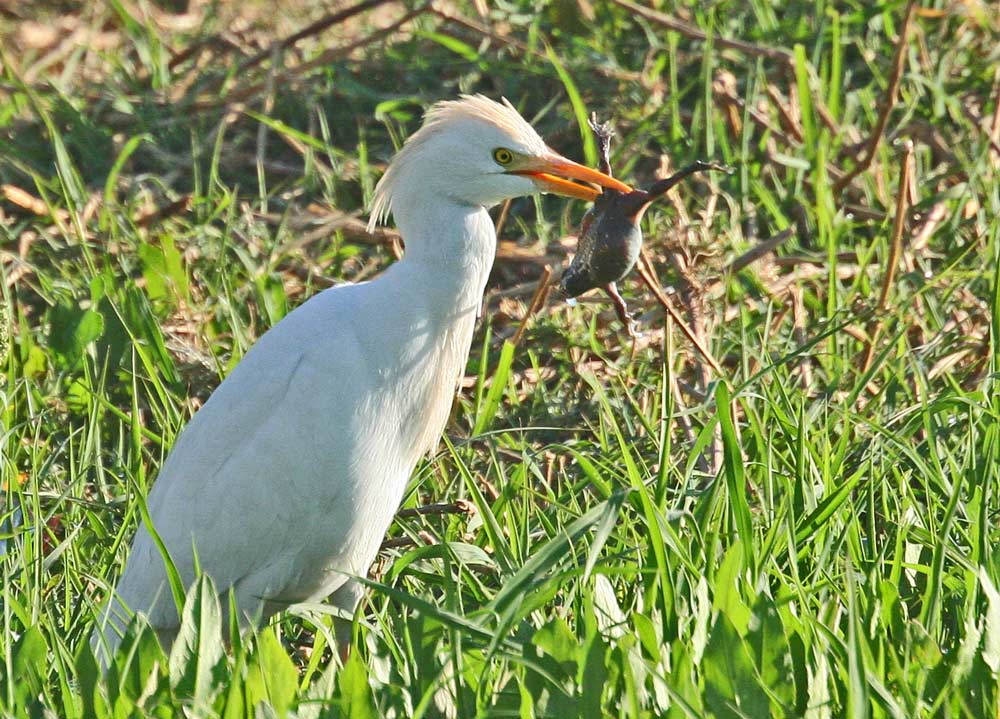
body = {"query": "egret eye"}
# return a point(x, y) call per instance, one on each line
point(503, 156)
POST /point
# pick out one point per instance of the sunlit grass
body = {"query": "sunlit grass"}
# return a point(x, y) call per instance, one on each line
point(811, 534)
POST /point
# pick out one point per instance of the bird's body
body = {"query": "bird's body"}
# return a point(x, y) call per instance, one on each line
point(282, 486)
point(306, 534)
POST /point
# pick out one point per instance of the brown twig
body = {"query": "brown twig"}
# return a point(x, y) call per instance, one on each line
point(188, 52)
point(309, 30)
point(646, 273)
point(899, 63)
point(680, 416)
point(897, 225)
point(447, 13)
point(922, 234)
point(895, 250)
point(155, 215)
point(994, 135)
point(789, 122)
point(730, 99)
point(318, 225)
point(760, 250)
point(502, 219)
point(799, 334)
point(694, 33)
point(266, 107)
point(461, 506)
point(403, 542)
point(537, 302)
point(980, 122)
point(239, 94)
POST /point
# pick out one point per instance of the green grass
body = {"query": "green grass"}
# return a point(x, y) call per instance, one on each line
point(840, 562)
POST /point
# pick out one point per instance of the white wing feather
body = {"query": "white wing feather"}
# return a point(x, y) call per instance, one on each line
point(285, 481)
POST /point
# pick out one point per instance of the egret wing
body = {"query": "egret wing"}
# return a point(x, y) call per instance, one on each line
point(252, 466)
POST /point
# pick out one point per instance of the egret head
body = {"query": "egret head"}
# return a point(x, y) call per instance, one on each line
point(478, 152)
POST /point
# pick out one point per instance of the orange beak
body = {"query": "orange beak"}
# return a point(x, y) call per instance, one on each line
point(553, 173)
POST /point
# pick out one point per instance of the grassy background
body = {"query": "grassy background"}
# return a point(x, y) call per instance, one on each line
point(624, 532)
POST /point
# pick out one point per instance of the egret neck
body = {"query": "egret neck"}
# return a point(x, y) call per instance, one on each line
point(450, 248)
point(449, 253)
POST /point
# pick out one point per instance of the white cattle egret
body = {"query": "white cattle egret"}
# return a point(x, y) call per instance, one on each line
point(285, 481)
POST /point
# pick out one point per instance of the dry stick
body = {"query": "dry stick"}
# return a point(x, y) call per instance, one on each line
point(446, 14)
point(182, 55)
point(645, 271)
point(897, 225)
point(785, 114)
point(923, 232)
point(755, 253)
point(758, 119)
point(502, 219)
point(799, 333)
point(899, 62)
point(262, 127)
point(695, 34)
point(461, 506)
point(402, 542)
point(690, 295)
point(325, 58)
point(541, 294)
point(995, 129)
point(895, 250)
point(978, 121)
point(731, 100)
point(313, 29)
point(759, 250)
point(681, 417)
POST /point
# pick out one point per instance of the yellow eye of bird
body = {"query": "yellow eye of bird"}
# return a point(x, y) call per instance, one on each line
point(503, 156)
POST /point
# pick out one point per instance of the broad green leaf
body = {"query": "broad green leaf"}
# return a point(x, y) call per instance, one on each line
point(197, 657)
point(71, 329)
point(732, 456)
point(271, 676)
point(556, 639)
point(553, 691)
point(771, 654)
point(271, 291)
point(163, 270)
point(355, 694)
point(991, 633)
point(139, 658)
point(88, 679)
point(593, 679)
point(858, 702)
point(28, 665)
point(728, 589)
point(497, 387)
point(732, 690)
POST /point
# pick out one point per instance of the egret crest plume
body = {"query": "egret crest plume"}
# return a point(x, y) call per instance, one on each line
point(446, 115)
